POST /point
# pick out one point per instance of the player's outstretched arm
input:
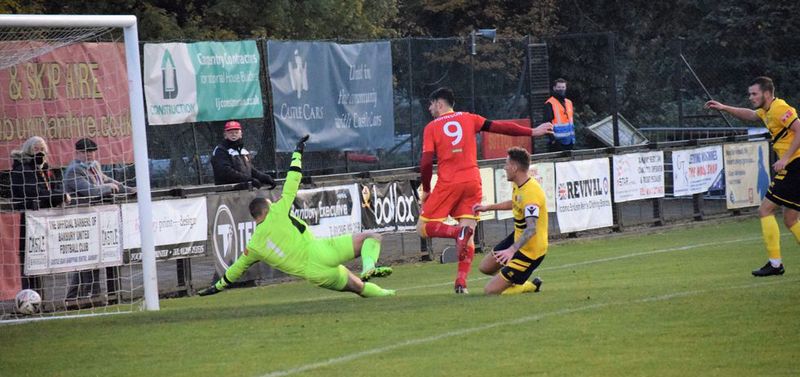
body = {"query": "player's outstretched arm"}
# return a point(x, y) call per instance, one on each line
point(739, 112)
point(293, 178)
point(513, 129)
point(232, 274)
point(502, 206)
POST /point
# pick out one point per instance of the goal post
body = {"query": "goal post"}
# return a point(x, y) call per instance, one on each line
point(137, 112)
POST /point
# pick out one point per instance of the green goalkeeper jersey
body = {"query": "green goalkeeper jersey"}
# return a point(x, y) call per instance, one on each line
point(281, 239)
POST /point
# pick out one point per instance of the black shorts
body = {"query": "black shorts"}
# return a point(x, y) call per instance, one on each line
point(784, 189)
point(519, 268)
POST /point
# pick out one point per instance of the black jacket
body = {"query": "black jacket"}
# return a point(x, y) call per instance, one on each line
point(232, 164)
point(33, 188)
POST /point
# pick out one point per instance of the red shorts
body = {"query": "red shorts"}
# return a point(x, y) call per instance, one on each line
point(454, 200)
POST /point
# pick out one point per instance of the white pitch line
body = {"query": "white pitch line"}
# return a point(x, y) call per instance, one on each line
point(557, 313)
point(603, 260)
point(568, 265)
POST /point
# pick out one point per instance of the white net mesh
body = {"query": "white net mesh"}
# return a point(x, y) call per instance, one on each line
point(66, 169)
point(30, 43)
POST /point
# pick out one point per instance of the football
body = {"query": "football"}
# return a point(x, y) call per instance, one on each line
point(28, 301)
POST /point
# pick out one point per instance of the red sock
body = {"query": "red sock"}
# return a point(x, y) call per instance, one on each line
point(439, 229)
point(464, 266)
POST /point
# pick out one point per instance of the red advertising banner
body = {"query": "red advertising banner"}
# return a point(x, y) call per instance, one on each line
point(73, 92)
point(10, 281)
point(496, 145)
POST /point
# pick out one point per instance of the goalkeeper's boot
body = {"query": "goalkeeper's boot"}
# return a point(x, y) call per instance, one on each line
point(768, 270)
point(376, 272)
point(537, 283)
point(209, 291)
point(462, 242)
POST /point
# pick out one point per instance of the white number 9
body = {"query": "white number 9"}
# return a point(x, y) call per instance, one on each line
point(453, 129)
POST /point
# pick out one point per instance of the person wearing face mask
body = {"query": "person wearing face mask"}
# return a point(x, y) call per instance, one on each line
point(558, 110)
point(84, 176)
point(33, 187)
point(232, 163)
point(32, 183)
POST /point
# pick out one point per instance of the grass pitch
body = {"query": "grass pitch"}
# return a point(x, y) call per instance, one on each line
point(677, 303)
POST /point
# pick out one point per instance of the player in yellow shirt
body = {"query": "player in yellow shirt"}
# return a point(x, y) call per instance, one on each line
point(784, 189)
point(524, 249)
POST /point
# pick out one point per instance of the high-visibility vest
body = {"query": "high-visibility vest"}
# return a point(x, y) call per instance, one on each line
point(563, 127)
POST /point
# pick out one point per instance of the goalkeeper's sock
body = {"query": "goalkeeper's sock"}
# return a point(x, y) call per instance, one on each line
point(465, 265)
point(795, 229)
point(370, 252)
point(373, 290)
point(519, 288)
point(438, 229)
point(222, 282)
point(772, 239)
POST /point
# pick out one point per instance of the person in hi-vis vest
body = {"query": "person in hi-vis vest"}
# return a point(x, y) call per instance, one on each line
point(558, 110)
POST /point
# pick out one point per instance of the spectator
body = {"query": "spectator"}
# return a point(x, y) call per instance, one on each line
point(232, 162)
point(84, 176)
point(558, 110)
point(33, 188)
point(32, 184)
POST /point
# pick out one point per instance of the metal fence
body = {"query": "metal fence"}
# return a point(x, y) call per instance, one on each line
point(659, 87)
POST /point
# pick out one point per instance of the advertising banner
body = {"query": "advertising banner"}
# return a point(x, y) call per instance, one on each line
point(230, 227)
point(487, 185)
point(638, 176)
point(73, 92)
point(179, 229)
point(202, 81)
point(389, 207)
point(329, 211)
point(340, 94)
point(543, 173)
point(746, 173)
point(695, 170)
point(10, 282)
point(584, 195)
point(79, 239)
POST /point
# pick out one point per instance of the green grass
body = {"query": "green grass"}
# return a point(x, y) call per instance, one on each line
point(677, 303)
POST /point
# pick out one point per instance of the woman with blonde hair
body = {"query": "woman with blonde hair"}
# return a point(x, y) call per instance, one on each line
point(32, 184)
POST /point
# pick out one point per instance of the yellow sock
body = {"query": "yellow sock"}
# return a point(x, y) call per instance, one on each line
point(519, 288)
point(796, 231)
point(772, 236)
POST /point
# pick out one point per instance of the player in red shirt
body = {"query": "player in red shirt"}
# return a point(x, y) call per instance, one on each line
point(450, 137)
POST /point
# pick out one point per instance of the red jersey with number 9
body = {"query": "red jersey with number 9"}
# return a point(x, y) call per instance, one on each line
point(451, 137)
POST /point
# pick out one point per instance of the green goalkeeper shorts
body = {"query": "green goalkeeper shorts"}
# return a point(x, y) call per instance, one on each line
point(325, 260)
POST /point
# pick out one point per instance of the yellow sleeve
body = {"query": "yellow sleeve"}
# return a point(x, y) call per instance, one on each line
point(786, 114)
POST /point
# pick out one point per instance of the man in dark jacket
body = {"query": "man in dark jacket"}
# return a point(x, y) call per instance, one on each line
point(232, 163)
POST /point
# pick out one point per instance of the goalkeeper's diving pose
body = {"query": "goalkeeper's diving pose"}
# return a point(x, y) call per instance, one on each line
point(285, 242)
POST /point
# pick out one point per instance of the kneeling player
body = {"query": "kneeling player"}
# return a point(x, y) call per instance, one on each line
point(285, 242)
point(523, 250)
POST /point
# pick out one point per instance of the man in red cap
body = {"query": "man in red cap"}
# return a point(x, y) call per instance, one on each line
point(232, 163)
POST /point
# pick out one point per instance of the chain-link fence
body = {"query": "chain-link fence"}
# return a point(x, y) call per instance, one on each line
point(660, 89)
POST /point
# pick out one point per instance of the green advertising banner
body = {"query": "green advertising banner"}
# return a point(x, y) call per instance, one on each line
point(203, 81)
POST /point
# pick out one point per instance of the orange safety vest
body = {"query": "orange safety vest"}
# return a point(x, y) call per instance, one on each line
point(563, 127)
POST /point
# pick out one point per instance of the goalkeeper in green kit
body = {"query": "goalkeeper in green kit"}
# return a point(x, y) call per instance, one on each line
point(285, 242)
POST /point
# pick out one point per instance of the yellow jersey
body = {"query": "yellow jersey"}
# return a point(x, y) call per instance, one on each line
point(528, 200)
point(779, 116)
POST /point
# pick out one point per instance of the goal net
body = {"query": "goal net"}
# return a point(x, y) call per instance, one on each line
point(71, 130)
